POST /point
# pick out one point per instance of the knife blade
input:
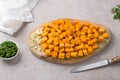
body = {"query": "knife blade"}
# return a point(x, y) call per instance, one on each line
point(96, 64)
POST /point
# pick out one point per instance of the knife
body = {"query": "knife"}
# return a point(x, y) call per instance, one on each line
point(97, 64)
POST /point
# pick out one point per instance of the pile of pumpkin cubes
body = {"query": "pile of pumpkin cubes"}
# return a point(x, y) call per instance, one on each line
point(66, 38)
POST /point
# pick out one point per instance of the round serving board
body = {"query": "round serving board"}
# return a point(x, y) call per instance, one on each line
point(42, 55)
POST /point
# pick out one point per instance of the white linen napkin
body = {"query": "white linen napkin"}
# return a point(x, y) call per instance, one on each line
point(13, 13)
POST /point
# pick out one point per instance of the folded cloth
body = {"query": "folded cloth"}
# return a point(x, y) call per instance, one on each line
point(13, 13)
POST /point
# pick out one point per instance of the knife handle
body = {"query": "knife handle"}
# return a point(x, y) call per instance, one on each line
point(114, 60)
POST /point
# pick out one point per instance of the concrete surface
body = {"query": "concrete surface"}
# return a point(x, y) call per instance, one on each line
point(26, 66)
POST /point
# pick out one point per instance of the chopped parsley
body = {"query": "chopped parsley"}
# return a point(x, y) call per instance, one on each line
point(116, 12)
point(8, 49)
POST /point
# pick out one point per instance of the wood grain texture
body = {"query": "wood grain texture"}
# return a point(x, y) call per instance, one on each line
point(42, 55)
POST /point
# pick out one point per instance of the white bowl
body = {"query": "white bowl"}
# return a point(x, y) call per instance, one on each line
point(15, 54)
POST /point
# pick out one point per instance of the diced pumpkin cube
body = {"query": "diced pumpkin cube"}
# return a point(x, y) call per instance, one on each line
point(67, 32)
point(70, 37)
point(83, 32)
point(44, 46)
point(90, 50)
point(61, 56)
point(78, 33)
point(86, 23)
point(95, 46)
point(71, 49)
point(83, 36)
point(94, 30)
point(44, 34)
point(55, 42)
point(67, 21)
point(73, 54)
point(44, 39)
point(58, 22)
point(89, 31)
point(77, 40)
point(91, 26)
point(72, 41)
point(67, 50)
point(96, 35)
point(59, 31)
point(94, 40)
point(56, 34)
point(56, 49)
point(67, 44)
point(88, 39)
point(77, 28)
point(101, 30)
point(86, 46)
point(90, 42)
point(85, 52)
point(79, 25)
point(55, 27)
point(67, 55)
point(71, 45)
point(96, 27)
point(61, 36)
point(49, 41)
point(52, 30)
point(81, 46)
point(90, 35)
point(100, 38)
point(51, 47)
point(48, 52)
point(76, 21)
point(85, 28)
point(50, 34)
point(64, 40)
point(84, 39)
point(61, 45)
point(105, 35)
point(54, 54)
point(61, 50)
point(80, 53)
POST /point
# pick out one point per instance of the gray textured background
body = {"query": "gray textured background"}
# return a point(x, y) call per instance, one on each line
point(26, 66)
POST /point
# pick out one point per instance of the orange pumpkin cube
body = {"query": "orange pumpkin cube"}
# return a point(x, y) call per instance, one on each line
point(67, 55)
point(49, 41)
point(94, 40)
point(80, 53)
point(90, 35)
point(105, 35)
point(44, 39)
point(51, 47)
point(73, 54)
point(56, 49)
point(44, 46)
point(95, 46)
point(96, 35)
point(100, 38)
point(85, 52)
point(54, 54)
point(101, 30)
point(61, 45)
point(90, 42)
point(48, 52)
point(61, 50)
point(90, 50)
point(67, 49)
point(61, 56)
point(67, 44)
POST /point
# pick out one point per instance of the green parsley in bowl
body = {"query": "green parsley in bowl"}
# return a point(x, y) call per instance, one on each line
point(8, 50)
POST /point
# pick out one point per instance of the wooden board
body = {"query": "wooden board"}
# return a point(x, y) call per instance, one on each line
point(42, 55)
